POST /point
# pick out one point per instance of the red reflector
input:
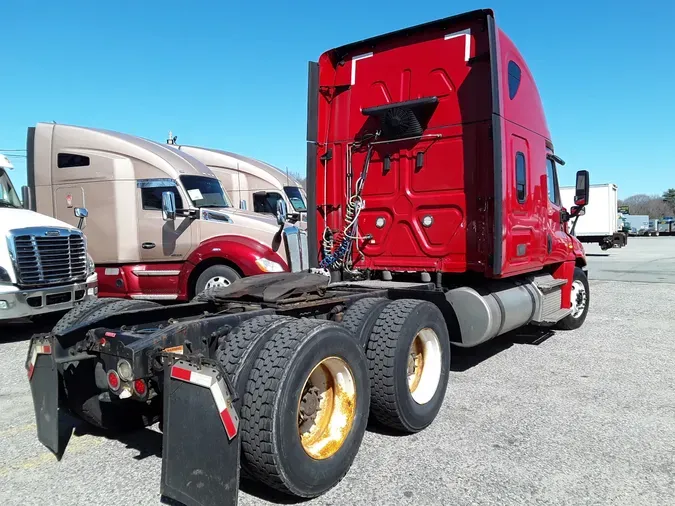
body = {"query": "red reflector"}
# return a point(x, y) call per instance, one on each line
point(113, 380)
point(139, 387)
point(180, 373)
point(103, 341)
point(110, 334)
point(47, 349)
point(228, 423)
point(31, 370)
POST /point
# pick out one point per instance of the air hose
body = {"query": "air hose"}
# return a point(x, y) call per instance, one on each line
point(350, 231)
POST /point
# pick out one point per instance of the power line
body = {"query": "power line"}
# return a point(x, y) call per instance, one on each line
point(12, 150)
point(16, 156)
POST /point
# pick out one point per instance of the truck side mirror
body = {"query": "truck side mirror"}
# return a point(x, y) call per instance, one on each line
point(582, 189)
point(27, 198)
point(577, 211)
point(168, 206)
point(81, 213)
point(282, 212)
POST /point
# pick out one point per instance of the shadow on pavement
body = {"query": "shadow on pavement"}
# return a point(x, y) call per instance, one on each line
point(21, 330)
point(466, 358)
point(257, 489)
point(146, 441)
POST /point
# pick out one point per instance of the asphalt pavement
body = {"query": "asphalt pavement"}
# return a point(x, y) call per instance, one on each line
point(583, 417)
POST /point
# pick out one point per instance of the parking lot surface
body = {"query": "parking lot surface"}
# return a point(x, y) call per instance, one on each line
point(583, 417)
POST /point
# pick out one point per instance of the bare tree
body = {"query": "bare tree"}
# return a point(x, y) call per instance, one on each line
point(652, 205)
point(300, 178)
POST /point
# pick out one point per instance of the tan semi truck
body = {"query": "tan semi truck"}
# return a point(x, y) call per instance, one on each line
point(253, 184)
point(160, 225)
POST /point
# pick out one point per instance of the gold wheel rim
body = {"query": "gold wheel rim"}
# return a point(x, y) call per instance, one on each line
point(415, 364)
point(424, 366)
point(326, 408)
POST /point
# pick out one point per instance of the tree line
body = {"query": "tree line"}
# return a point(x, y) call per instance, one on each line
point(656, 206)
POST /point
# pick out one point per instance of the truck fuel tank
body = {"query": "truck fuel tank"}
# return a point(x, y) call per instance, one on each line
point(497, 308)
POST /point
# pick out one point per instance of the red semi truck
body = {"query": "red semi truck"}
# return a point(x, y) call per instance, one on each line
point(436, 212)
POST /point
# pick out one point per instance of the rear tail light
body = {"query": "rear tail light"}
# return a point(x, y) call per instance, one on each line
point(140, 387)
point(114, 380)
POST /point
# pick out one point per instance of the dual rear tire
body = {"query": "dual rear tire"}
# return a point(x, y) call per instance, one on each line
point(307, 387)
point(304, 401)
point(408, 351)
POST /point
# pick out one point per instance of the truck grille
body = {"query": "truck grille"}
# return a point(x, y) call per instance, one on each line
point(49, 256)
point(296, 249)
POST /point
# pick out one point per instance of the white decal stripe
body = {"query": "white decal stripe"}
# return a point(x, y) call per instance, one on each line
point(218, 397)
point(467, 45)
point(201, 379)
point(354, 60)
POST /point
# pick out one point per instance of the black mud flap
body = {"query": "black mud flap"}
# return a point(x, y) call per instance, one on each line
point(54, 424)
point(201, 444)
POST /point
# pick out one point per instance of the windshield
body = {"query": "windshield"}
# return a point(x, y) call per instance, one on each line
point(295, 196)
point(205, 191)
point(8, 196)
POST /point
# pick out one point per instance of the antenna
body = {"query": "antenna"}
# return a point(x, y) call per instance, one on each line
point(172, 138)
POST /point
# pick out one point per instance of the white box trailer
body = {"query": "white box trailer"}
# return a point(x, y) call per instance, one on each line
point(600, 222)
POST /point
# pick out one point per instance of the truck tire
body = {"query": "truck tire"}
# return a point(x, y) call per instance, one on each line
point(581, 296)
point(80, 313)
point(361, 316)
point(238, 350)
point(409, 365)
point(216, 275)
point(305, 409)
point(83, 397)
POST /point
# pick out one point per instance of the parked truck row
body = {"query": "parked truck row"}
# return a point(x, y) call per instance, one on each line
point(140, 251)
point(433, 205)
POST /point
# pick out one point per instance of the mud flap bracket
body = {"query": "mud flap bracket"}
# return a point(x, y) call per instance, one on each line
point(200, 450)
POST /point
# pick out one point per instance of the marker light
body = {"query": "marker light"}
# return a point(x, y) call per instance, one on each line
point(113, 380)
point(140, 388)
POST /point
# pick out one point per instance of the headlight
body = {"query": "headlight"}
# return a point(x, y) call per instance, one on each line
point(268, 265)
point(91, 266)
point(5, 277)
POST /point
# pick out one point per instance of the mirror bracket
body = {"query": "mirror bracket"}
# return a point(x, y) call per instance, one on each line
point(81, 213)
point(282, 212)
point(168, 206)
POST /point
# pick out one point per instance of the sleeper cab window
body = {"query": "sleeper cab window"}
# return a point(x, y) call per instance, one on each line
point(152, 197)
point(66, 160)
point(521, 177)
point(514, 78)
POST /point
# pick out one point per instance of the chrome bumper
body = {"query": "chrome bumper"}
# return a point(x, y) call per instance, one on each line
point(26, 303)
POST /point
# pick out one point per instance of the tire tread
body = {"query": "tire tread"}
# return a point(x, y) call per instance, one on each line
point(259, 403)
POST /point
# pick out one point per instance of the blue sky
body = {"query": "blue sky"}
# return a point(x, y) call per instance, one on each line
point(234, 75)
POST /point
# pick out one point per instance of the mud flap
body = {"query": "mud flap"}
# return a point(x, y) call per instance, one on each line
point(54, 424)
point(201, 446)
